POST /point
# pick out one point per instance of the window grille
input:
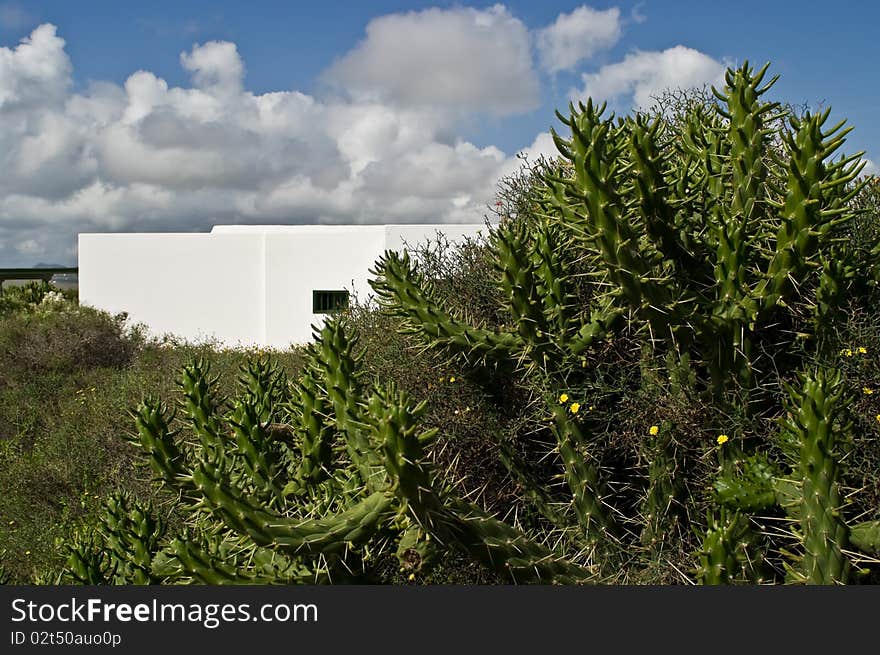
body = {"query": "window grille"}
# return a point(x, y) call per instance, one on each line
point(327, 302)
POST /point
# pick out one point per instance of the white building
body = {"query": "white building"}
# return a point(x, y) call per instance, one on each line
point(254, 285)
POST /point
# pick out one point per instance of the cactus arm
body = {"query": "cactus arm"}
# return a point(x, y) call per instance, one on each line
point(184, 557)
point(866, 537)
point(132, 534)
point(661, 510)
point(597, 147)
point(449, 519)
point(338, 364)
point(651, 191)
point(331, 534)
point(603, 320)
point(582, 477)
point(264, 387)
point(809, 428)
point(316, 434)
point(252, 441)
point(750, 488)
point(157, 442)
point(507, 550)
point(200, 405)
point(87, 562)
point(406, 297)
point(535, 493)
point(813, 208)
point(519, 282)
point(723, 554)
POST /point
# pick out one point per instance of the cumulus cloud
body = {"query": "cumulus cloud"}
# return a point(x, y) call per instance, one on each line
point(641, 75)
point(460, 59)
point(36, 72)
point(577, 36)
point(216, 67)
point(149, 156)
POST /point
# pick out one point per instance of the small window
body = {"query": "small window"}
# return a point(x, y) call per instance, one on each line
point(326, 302)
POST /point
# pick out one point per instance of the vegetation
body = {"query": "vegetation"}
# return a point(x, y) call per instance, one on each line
point(660, 368)
point(69, 377)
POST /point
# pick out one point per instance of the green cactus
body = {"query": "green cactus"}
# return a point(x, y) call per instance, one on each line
point(809, 493)
point(866, 537)
point(309, 482)
point(120, 550)
point(727, 555)
point(811, 426)
point(710, 238)
point(88, 562)
point(705, 238)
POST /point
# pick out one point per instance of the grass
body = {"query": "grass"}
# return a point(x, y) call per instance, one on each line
point(68, 377)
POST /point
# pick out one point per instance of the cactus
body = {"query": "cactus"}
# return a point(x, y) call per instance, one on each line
point(727, 555)
point(811, 427)
point(720, 241)
point(704, 239)
point(120, 550)
point(866, 537)
point(809, 492)
point(300, 483)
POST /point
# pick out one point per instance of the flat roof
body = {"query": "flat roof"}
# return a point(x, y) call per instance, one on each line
point(311, 228)
point(318, 228)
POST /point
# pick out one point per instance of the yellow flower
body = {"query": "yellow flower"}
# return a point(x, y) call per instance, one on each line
point(563, 398)
point(862, 350)
point(848, 352)
point(878, 418)
point(867, 391)
point(412, 576)
point(592, 407)
point(27, 552)
point(575, 408)
point(722, 439)
point(653, 430)
point(452, 379)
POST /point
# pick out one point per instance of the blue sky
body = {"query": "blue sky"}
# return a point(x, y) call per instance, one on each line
point(176, 116)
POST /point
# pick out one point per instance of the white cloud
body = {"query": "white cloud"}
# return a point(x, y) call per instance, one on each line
point(216, 67)
point(871, 168)
point(459, 59)
point(577, 36)
point(146, 155)
point(642, 76)
point(35, 72)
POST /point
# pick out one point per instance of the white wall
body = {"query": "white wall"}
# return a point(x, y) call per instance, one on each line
point(243, 285)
